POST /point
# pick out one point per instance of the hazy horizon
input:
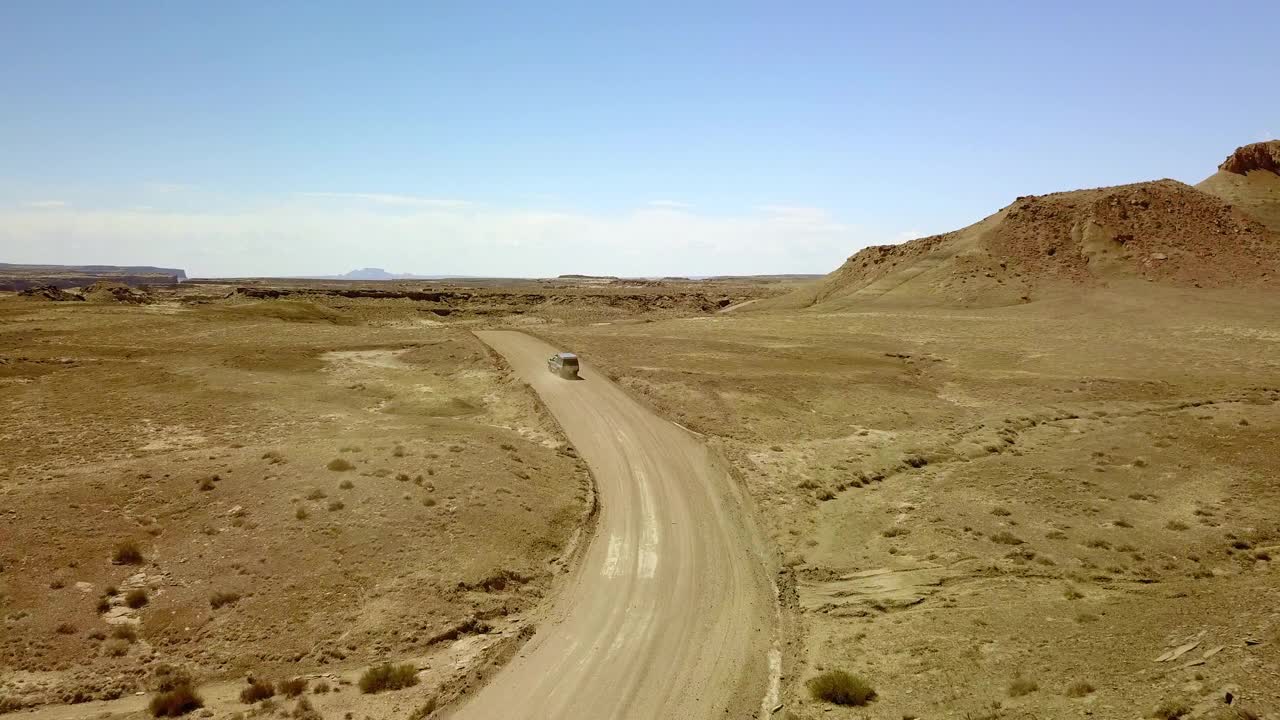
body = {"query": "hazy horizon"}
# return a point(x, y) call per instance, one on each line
point(240, 140)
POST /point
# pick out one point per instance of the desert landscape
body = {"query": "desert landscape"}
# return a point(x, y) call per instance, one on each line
point(1025, 469)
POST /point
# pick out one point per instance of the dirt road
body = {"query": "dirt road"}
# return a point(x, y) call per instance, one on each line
point(670, 613)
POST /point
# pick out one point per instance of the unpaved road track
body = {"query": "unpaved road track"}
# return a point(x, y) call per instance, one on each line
point(670, 613)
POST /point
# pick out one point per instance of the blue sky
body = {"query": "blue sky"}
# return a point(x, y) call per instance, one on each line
point(541, 138)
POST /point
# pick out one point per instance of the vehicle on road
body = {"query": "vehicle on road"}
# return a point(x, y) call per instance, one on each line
point(564, 364)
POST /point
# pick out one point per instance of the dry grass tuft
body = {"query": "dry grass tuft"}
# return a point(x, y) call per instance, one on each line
point(840, 688)
point(178, 701)
point(136, 598)
point(424, 710)
point(1022, 686)
point(388, 677)
point(220, 598)
point(292, 688)
point(127, 553)
point(1004, 537)
point(257, 691)
point(1171, 710)
point(1079, 689)
point(340, 465)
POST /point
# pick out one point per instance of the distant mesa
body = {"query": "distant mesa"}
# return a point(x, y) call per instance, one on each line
point(372, 274)
point(1224, 232)
point(15, 277)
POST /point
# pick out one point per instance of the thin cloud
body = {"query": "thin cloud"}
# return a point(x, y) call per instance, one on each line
point(46, 204)
point(301, 238)
point(668, 205)
point(391, 199)
point(168, 187)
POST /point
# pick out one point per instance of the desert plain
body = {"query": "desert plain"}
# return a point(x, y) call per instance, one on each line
point(1027, 469)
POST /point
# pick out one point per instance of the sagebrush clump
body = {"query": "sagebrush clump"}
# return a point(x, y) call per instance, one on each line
point(257, 691)
point(1079, 689)
point(178, 701)
point(127, 553)
point(840, 688)
point(1022, 686)
point(388, 677)
point(220, 598)
point(136, 598)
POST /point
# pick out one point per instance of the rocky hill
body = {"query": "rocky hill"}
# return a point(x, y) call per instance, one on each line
point(1250, 180)
point(1224, 232)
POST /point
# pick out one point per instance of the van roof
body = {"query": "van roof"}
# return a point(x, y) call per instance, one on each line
point(567, 356)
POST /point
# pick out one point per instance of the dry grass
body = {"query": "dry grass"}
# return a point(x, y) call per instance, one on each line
point(1079, 689)
point(127, 553)
point(388, 677)
point(424, 710)
point(1004, 537)
point(1022, 686)
point(176, 702)
point(257, 691)
point(340, 465)
point(115, 648)
point(220, 598)
point(840, 688)
point(292, 687)
point(1171, 710)
point(304, 711)
point(136, 598)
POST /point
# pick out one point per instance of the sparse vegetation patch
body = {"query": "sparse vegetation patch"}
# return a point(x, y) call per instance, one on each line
point(841, 688)
point(388, 677)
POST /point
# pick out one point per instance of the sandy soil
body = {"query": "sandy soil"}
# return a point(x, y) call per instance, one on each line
point(308, 499)
point(983, 508)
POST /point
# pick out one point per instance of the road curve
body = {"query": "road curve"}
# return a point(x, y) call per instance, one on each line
point(669, 615)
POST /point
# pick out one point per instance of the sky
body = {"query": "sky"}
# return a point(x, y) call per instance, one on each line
point(534, 139)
